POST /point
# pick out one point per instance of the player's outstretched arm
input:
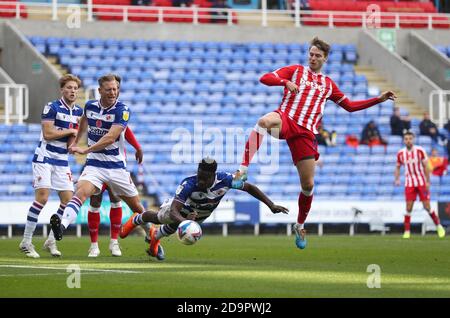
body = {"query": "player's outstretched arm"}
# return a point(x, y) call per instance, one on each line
point(131, 139)
point(51, 133)
point(353, 106)
point(339, 98)
point(261, 196)
point(397, 175)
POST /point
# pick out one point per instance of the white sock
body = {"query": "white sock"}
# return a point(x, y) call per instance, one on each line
point(32, 219)
point(301, 226)
point(94, 245)
point(51, 237)
point(71, 212)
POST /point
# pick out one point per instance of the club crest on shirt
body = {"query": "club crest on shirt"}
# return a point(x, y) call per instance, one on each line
point(46, 109)
point(179, 189)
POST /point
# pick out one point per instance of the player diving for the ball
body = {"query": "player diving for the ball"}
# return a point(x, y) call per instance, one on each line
point(195, 199)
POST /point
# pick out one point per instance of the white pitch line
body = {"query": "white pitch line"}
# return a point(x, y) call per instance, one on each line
point(82, 269)
point(47, 274)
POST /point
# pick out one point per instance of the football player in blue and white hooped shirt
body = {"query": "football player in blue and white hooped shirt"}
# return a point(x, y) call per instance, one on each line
point(105, 120)
point(51, 170)
point(195, 199)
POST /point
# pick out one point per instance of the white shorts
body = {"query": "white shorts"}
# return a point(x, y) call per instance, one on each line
point(118, 180)
point(47, 176)
point(164, 212)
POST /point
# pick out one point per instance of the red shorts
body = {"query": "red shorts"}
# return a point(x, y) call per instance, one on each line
point(301, 141)
point(412, 192)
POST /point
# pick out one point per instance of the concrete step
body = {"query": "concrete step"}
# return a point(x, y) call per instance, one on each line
point(273, 19)
point(403, 100)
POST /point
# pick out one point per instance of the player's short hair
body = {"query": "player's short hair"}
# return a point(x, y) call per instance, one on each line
point(68, 78)
point(409, 133)
point(109, 78)
point(321, 45)
point(208, 164)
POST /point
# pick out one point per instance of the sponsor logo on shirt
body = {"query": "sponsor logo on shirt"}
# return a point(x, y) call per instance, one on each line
point(313, 85)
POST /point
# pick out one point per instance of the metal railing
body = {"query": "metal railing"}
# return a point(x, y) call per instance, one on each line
point(14, 98)
point(439, 107)
point(195, 15)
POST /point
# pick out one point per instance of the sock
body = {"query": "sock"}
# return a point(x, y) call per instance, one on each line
point(94, 244)
point(93, 223)
point(60, 211)
point(71, 211)
point(137, 220)
point(32, 219)
point(407, 222)
point(304, 205)
point(165, 230)
point(115, 215)
point(253, 143)
point(434, 217)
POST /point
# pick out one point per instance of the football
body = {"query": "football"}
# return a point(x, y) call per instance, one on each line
point(189, 232)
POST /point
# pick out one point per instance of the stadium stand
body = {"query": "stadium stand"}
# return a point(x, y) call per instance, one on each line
point(173, 84)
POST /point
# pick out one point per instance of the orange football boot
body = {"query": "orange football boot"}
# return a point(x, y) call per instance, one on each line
point(129, 226)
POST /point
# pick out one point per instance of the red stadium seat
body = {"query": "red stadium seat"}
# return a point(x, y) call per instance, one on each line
point(162, 3)
point(143, 14)
point(109, 13)
point(441, 22)
point(204, 17)
point(9, 11)
point(413, 22)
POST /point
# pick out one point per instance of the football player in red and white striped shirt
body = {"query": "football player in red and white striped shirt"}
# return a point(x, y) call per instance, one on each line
point(306, 90)
point(417, 181)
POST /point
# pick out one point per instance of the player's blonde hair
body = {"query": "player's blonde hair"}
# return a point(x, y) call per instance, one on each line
point(321, 45)
point(68, 78)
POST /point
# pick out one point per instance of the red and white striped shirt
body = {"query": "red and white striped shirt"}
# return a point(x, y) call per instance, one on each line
point(314, 89)
point(414, 169)
point(306, 107)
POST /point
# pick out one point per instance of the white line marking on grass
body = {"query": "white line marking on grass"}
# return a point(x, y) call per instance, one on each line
point(47, 274)
point(83, 269)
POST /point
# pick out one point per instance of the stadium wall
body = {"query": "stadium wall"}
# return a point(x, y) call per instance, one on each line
point(185, 32)
point(392, 66)
point(5, 78)
point(26, 66)
point(428, 60)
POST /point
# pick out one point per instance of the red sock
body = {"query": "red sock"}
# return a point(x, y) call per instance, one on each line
point(304, 205)
point(115, 215)
point(434, 217)
point(407, 222)
point(93, 225)
point(251, 147)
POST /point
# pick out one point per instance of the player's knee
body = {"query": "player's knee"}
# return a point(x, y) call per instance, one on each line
point(265, 122)
point(307, 186)
point(41, 197)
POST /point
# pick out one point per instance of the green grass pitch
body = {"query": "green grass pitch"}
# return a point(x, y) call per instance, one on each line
point(235, 266)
